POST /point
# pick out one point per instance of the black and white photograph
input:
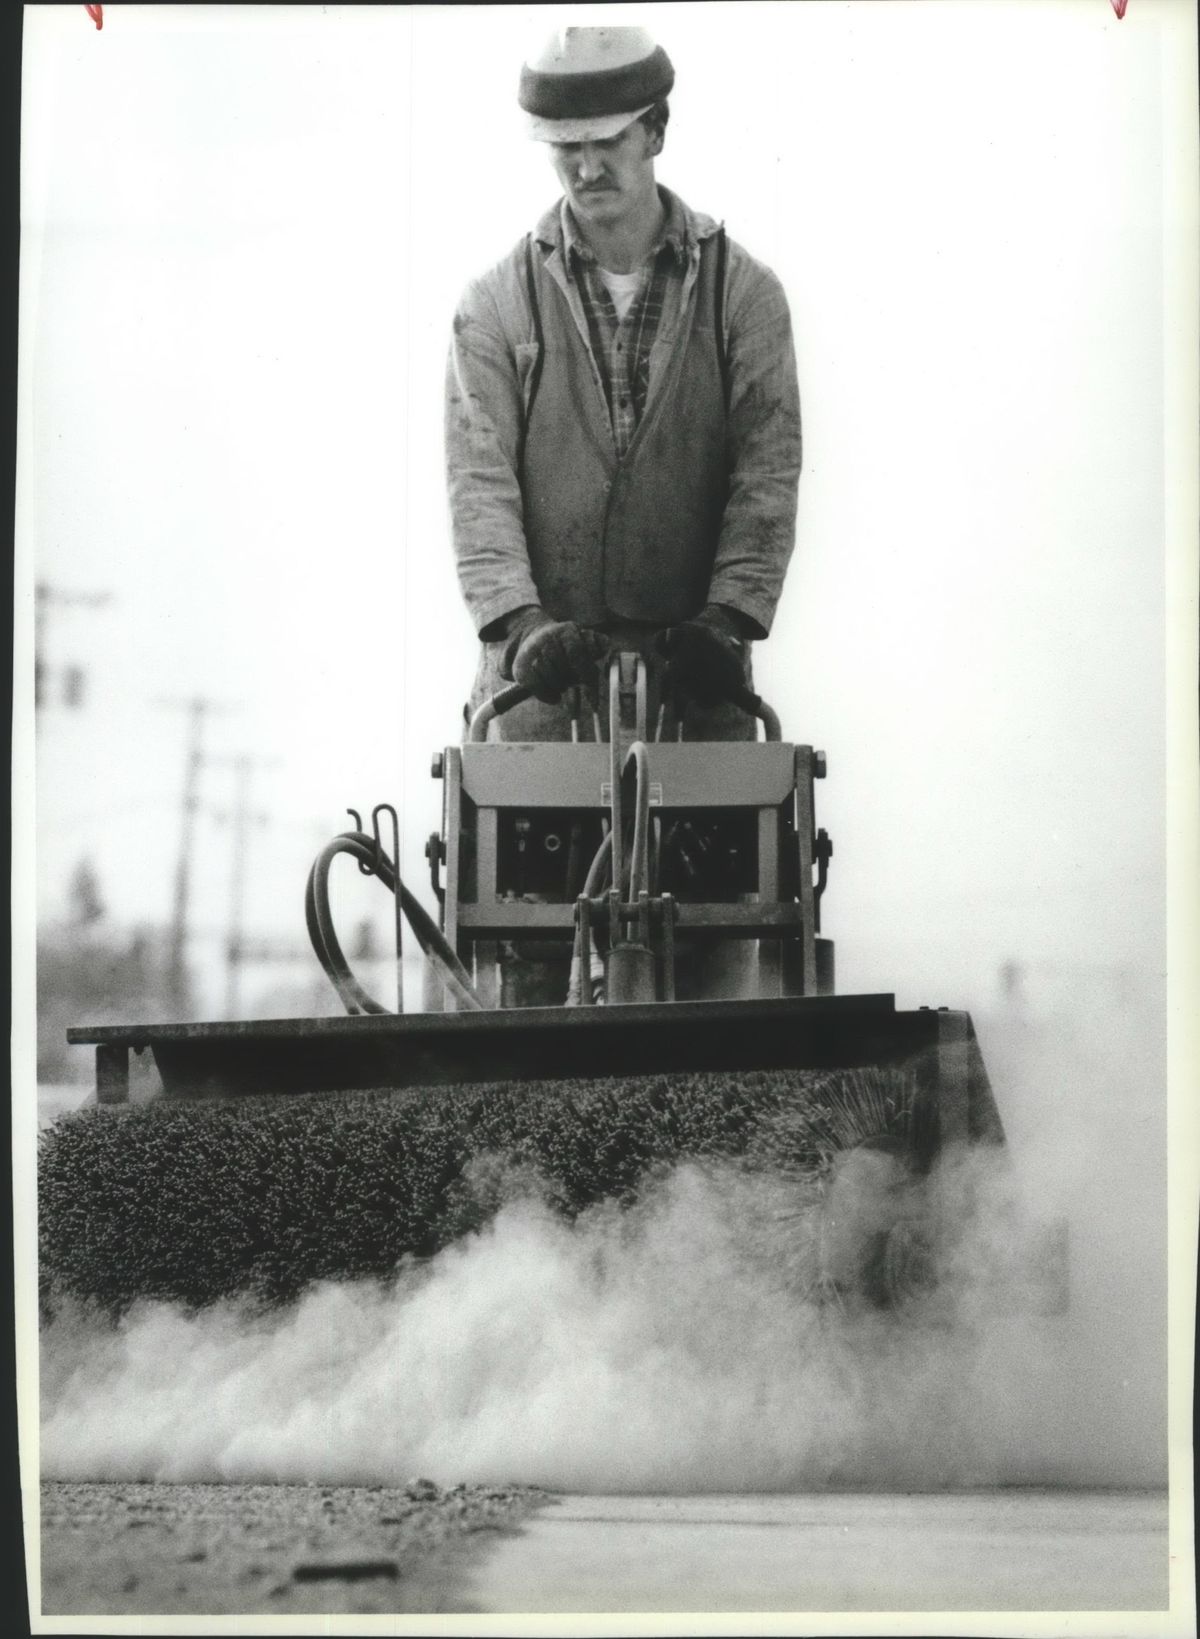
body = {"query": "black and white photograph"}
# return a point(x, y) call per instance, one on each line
point(606, 820)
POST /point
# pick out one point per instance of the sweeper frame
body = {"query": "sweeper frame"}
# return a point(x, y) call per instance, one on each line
point(705, 863)
point(722, 851)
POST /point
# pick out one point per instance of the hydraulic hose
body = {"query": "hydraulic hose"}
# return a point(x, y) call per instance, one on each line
point(640, 758)
point(601, 865)
point(597, 871)
point(430, 937)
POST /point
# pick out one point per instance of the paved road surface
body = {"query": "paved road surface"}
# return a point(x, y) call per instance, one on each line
point(266, 1550)
point(1006, 1550)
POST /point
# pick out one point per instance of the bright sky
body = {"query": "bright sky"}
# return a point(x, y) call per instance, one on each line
point(243, 234)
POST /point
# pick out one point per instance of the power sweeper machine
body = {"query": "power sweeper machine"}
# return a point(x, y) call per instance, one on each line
point(626, 921)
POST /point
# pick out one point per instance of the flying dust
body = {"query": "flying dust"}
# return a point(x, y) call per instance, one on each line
point(681, 1345)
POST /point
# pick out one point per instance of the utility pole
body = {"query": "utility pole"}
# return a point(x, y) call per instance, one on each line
point(178, 986)
point(242, 820)
point(46, 597)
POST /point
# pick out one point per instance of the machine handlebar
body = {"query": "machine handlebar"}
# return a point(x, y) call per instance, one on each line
point(495, 706)
point(505, 699)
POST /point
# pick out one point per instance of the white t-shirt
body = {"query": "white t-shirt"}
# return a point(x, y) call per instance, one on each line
point(622, 287)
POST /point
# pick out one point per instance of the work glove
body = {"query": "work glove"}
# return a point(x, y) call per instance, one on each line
point(706, 656)
point(547, 656)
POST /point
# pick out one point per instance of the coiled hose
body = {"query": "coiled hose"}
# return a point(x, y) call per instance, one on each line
point(433, 942)
point(600, 871)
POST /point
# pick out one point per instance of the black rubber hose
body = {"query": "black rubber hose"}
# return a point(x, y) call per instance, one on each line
point(430, 937)
point(321, 932)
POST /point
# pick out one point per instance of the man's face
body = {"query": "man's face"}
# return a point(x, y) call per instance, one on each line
point(606, 181)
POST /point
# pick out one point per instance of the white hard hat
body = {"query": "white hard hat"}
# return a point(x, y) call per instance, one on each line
point(586, 84)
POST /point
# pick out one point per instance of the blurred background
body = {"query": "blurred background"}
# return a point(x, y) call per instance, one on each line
point(244, 232)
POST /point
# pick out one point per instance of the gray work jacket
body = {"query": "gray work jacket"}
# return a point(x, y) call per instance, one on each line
point(701, 508)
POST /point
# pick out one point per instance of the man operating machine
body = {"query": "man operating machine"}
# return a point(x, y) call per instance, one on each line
point(622, 418)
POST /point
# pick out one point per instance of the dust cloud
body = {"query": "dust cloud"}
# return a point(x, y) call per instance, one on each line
point(701, 1341)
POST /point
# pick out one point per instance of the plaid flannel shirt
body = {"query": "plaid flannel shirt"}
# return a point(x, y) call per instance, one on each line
point(621, 347)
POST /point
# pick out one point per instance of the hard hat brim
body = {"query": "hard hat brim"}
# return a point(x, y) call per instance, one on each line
point(593, 128)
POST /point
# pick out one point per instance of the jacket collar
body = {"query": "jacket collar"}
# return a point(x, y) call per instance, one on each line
point(684, 231)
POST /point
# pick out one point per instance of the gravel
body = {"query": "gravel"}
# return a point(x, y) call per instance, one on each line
point(269, 1550)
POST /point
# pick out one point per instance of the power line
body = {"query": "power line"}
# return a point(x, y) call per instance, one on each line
point(178, 986)
point(242, 820)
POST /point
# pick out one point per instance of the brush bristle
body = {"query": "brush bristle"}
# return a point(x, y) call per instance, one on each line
point(195, 1202)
